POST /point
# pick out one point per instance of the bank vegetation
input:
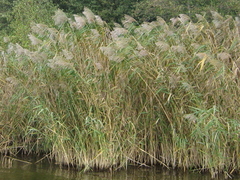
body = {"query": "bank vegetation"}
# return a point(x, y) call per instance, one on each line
point(94, 97)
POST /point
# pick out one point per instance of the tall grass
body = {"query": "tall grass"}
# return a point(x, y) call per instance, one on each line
point(96, 98)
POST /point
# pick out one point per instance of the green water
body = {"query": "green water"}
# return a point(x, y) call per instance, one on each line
point(46, 170)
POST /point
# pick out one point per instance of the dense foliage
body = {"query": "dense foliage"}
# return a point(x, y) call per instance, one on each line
point(22, 13)
point(147, 10)
point(90, 95)
point(5, 6)
point(113, 10)
point(17, 15)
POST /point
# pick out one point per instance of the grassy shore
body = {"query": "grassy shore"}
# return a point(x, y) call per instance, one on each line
point(100, 98)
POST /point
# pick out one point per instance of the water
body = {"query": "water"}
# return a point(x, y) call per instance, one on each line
point(45, 170)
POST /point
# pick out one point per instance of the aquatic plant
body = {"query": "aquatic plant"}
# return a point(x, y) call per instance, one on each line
point(96, 98)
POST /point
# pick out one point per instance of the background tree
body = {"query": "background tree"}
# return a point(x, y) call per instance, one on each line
point(109, 10)
point(147, 10)
point(5, 7)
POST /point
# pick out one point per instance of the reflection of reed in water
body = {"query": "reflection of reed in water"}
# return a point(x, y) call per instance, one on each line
point(6, 162)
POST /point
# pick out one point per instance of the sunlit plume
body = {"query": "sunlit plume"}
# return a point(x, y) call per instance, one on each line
point(163, 46)
point(118, 32)
point(39, 29)
point(183, 18)
point(89, 15)
point(34, 40)
point(127, 21)
point(79, 21)
point(99, 20)
point(58, 62)
point(60, 17)
point(179, 49)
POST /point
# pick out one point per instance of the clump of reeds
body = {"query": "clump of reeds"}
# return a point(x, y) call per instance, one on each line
point(147, 94)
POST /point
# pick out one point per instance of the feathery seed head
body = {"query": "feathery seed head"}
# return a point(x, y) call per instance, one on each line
point(121, 42)
point(237, 20)
point(19, 50)
point(36, 56)
point(225, 57)
point(34, 40)
point(148, 26)
point(53, 33)
point(174, 81)
point(179, 49)
point(201, 55)
point(89, 15)
point(169, 33)
point(10, 48)
point(192, 29)
point(12, 80)
point(98, 66)
point(217, 16)
point(218, 24)
point(139, 46)
point(117, 25)
point(95, 33)
point(163, 46)
point(60, 17)
point(237, 24)
point(190, 117)
point(200, 17)
point(110, 52)
point(99, 20)
point(145, 28)
point(67, 54)
point(161, 21)
point(39, 29)
point(188, 87)
point(59, 62)
point(174, 21)
point(236, 69)
point(118, 32)
point(195, 46)
point(183, 18)
point(142, 53)
point(62, 38)
point(79, 21)
point(127, 21)
point(6, 39)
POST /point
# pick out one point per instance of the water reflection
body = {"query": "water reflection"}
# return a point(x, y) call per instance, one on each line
point(12, 169)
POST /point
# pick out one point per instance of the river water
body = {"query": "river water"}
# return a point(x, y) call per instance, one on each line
point(15, 169)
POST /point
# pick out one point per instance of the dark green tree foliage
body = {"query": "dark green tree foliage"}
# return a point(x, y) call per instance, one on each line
point(147, 10)
point(109, 10)
point(5, 7)
point(229, 7)
point(70, 6)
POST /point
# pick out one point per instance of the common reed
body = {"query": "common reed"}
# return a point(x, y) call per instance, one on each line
point(147, 94)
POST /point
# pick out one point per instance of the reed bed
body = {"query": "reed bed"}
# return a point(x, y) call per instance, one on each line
point(97, 98)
